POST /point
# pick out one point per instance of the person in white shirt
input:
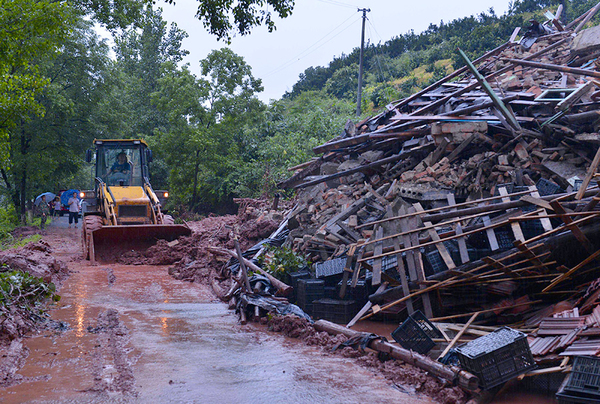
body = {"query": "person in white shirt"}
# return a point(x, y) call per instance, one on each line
point(73, 203)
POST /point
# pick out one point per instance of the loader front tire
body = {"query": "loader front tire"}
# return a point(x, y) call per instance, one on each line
point(90, 223)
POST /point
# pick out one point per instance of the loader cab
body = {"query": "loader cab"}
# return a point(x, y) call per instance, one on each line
point(122, 163)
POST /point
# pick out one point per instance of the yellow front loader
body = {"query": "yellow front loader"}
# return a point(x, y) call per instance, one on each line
point(123, 212)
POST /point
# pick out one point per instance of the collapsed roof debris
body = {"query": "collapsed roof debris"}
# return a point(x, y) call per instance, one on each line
point(473, 201)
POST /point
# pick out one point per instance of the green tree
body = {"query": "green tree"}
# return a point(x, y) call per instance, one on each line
point(140, 53)
point(207, 117)
point(223, 17)
point(45, 150)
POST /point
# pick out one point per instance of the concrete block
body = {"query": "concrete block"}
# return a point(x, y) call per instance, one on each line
point(586, 41)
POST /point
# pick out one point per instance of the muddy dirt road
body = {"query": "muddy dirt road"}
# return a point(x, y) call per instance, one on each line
point(134, 334)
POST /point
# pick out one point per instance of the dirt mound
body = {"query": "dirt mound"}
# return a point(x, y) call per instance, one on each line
point(396, 371)
point(25, 231)
point(190, 257)
point(36, 259)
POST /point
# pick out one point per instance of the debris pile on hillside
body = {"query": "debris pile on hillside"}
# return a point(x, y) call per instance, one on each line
point(472, 200)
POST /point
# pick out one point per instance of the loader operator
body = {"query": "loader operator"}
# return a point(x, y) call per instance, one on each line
point(120, 169)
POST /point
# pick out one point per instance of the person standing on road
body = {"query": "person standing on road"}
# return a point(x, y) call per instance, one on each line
point(57, 206)
point(44, 212)
point(73, 203)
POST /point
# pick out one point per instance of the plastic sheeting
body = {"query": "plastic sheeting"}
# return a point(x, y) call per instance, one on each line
point(273, 306)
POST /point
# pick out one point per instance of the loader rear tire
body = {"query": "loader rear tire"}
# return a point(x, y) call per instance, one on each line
point(168, 219)
point(90, 223)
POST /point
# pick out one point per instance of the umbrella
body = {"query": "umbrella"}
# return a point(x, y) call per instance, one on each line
point(64, 197)
point(49, 197)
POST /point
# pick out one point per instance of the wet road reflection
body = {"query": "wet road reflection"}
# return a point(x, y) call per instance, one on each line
point(145, 337)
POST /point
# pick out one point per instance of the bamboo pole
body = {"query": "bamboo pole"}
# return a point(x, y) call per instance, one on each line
point(466, 380)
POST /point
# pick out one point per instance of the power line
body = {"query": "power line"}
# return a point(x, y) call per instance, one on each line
point(338, 3)
point(314, 46)
point(379, 53)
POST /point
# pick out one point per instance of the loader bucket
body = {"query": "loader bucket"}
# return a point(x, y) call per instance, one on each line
point(109, 242)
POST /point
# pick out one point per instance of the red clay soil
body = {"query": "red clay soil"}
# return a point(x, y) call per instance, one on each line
point(190, 257)
point(36, 259)
point(396, 371)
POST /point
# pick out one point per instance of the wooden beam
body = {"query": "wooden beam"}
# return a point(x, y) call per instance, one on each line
point(588, 177)
point(508, 115)
point(571, 271)
point(458, 335)
point(587, 244)
point(377, 262)
point(557, 68)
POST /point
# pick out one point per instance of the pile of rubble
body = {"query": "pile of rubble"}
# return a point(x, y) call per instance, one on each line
point(465, 208)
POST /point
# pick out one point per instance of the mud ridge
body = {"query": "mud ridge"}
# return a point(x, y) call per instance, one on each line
point(397, 372)
point(12, 359)
point(112, 369)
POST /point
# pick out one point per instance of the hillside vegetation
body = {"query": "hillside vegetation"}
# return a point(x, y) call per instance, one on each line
point(212, 138)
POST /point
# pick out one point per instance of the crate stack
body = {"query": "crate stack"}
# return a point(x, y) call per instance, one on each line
point(582, 386)
point(309, 290)
point(334, 310)
point(497, 357)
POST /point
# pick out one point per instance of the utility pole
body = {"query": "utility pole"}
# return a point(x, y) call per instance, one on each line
point(360, 68)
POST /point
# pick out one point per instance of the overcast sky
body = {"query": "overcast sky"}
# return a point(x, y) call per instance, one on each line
point(317, 31)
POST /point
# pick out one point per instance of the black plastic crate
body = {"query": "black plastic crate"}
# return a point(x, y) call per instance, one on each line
point(309, 290)
point(337, 311)
point(546, 187)
point(360, 293)
point(497, 357)
point(532, 228)
point(436, 262)
point(295, 276)
point(330, 268)
point(505, 239)
point(585, 377)
point(330, 292)
point(417, 333)
point(565, 397)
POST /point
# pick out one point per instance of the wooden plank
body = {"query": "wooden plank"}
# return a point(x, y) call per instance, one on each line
point(403, 277)
point(435, 237)
point(514, 306)
point(458, 335)
point(588, 177)
point(461, 147)
point(571, 271)
point(558, 68)
point(378, 249)
point(367, 306)
point(410, 260)
point(537, 202)
point(568, 221)
point(546, 224)
point(462, 245)
point(497, 264)
point(356, 271)
point(516, 228)
point(491, 236)
point(414, 239)
point(347, 270)
point(244, 271)
point(414, 247)
point(531, 256)
point(430, 211)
